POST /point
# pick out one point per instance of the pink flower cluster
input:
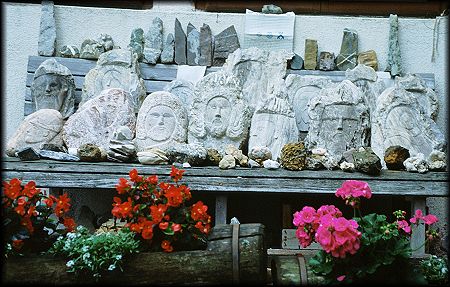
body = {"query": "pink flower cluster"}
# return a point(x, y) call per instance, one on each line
point(352, 190)
point(427, 219)
point(327, 227)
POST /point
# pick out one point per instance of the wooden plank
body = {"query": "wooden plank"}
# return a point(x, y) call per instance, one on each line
point(77, 66)
point(221, 209)
point(290, 241)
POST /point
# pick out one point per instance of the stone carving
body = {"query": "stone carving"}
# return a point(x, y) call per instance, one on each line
point(47, 30)
point(53, 87)
point(168, 50)
point(218, 115)
point(180, 44)
point(184, 90)
point(339, 120)
point(347, 58)
point(161, 121)
point(69, 51)
point(117, 68)
point(91, 49)
point(227, 162)
point(42, 126)
point(273, 125)
point(437, 160)
point(300, 90)
point(400, 119)
point(137, 43)
point(326, 61)
point(394, 58)
point(296, 62)
point(368, 58)
point(193, 45)
point(153, 42)
point(106, 41)
point(225, 43)
point(310, 54)
point(98, 118)
point(206, 47)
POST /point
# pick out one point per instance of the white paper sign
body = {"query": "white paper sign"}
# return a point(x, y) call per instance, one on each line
point(191, 74)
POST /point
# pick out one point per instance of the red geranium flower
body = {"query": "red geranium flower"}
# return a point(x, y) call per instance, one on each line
point(176, 174)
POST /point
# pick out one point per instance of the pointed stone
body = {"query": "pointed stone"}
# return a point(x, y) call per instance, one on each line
point(91, 49)
point(153, 42)
point(137, 43)
point(225, 43)
point(205, 46)
point(169, 50)
point(180, 44)
point(310, 54)
point(394, 58)
point(47, 35)
point(347, 58)
point(193, 45)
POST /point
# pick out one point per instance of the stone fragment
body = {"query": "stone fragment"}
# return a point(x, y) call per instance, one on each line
point(259, 154)
point(72, 151)
point(368, 58)
point(192, 45)
point(314, 162)
point(182, 89)
point(348, 155)
point(123, 133)
point(186, 165)
point(28, 153)
point(57, 155)
point(252, 163)
point(117, 68)
point(394, 57)
point(311, 50)
point(225, 43)
point(296, 63)
point(91, 49)
point(237, 154)
point(347, 166)
point(213, 157)
point(330, 162)
point(367, 161)
point(180, 44)
point(153, 44)
point(348, 56)
point(42, 126)
point(121, 147)
point(98, 119)
point(106, 41)
point(227, 162)
point(194, 154)
point(319, 151)
point(137, 42)
point(161, 121)
point(53, 87)
point(168, 51)
point(69, 51)
point(326, 61)
point(218, 114)
point(293, 156)
point(271, 9)
point(271, 164)
point(437, 160)
point(53, 147)
point(394, 156)
point(206, 48)
point(416, 163)
point(47, 30)
point(89, 152)
point(152, 156)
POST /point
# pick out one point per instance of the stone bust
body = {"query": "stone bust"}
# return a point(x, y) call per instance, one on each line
point(53, 87)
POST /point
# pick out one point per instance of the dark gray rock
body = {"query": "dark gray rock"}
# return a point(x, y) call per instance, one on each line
point(205, 46)
point(90, 152)
point(271, 9)
point(394, 57)
point(193, 45)
point(225, 43)
point(394, 156)
point(348, 56)
point(194, 154)
point(56, 155)
point(47, 30)
point(366, 161)
point(296, 63)
point(168, 50)
point(53, 147)
point(180, 44)
point(28, 153)
point(137, 43)
point(326, 61)
point(106, 41)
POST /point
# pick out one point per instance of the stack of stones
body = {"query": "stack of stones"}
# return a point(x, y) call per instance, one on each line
point(233, 156)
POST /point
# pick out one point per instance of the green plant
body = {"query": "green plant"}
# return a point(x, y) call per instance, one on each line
point(435, 270)
point(96, 253)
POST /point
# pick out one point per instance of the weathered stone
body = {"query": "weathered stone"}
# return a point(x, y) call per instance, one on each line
point(237, 154)
point(153, 45)
point(348, 155)
point(123, 133)
point(394, 57)
point(193, 45)
point(227, 162)
point(260, 154)
point(53, 87)
point(168, 51)
point(91, 49)
point(121, 147)
point(271, 9)
point(106, 41)
point(314, 162)
point(330, 162)
point(347, 58)
point(416, 164)
point(296, 63)
point(161, 121)
point(319, 151)
point(117, 68)
point(271, 164)
point(213, 157)
point(326, 61)
point(57, 155)
point(293, 156)
point(311, 50)
point(47, 30)
point(394, 156)
point(361, 72)
point(339, 120)
point(368, 58)
point(42, 126)
point(194, 154)
point(53, 147)
point(137, 42)
point(206, 48)
point(347, 166)
point(252, 163)
point(69, 51)
point(367, 161)
point(28, 153)
point(301, 89)
point(152, 156)
point(218, 114)
point(182, 89)
point(98, 119)
point(89, 152)
point(180, 44)
point(225, 43)
point(437, 160)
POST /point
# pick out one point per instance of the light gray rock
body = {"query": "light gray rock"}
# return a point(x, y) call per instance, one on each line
point(193, 45)
point(69, 51)
point(225, 43)
point(206, 48)
point(348, 56)
point(271, 9)
point(121, 147)
point(53, 87)
point(117, 68)
point(437, 160)
point(311, 50)
point(98, 119)
point(168, 51)
point(180, 44)
point(259, 154)
point(347, 166)
point(91, 49)
point(161, 121)
point(194, 154)
point(153, 45)
point(326, 61)
point(227, 162)
point(152, 156)
point(271, 164)
point(394, 65)
point(42, 126)
point(416, 163)
point(253, 164)
point(137, 42)
point(182, 89)
point(123, 133)
point(47, 30)
point(106, 41)
point(57, 155)
point(237, 154)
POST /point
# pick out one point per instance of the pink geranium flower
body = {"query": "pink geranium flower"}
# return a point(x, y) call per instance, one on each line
point(403, 224)
point(355, 189)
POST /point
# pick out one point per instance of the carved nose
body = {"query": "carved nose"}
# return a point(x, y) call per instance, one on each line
point(339, 127)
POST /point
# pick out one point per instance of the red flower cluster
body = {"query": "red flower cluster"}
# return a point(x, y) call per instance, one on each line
point(157, 211)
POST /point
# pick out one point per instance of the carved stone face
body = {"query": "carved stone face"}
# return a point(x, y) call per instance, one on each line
point(50, 92)
point(300, 105)
point(161, 122)
point(217, 116)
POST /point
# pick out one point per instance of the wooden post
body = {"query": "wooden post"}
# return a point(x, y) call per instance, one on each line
point(418, 233)
point(221, 209)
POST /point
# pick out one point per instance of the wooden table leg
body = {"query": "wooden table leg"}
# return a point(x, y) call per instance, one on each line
point(221, 209)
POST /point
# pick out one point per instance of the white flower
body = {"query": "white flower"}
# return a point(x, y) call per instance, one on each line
point(111, 267)
point(118, 257)
point(70, 263)
point(71, 235)
point(86, 256)
point(85, 248)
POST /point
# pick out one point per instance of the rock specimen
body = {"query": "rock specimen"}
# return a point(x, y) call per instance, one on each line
point(53, 147)
point(47, 30)
point(28, 153)
point(137, 42)
point(218, 115)
point(416, 164)
point(117, 68)
point(339, 120)
point(394, 58)
point(53, 87)
point(69, 51)
point(57, 155)
point(153, 44)
point(152, 156)
point(252, 163)
point(227, 162)
point(106, 41)
point(368, 58)
point(225, 43)
point(241, 159)
point(91, 49)
point(193, 45)
point(326, 61)
point(296, 63)
point(260, 154)
point(161, 121)
point(213, 157)
point(347, 166)
point(394, 156)
point(273, 125)
point(98, 119)
point(42, 126)
point(89, 152)
point(301, 89)
point(182, 89)
point(180, 44)
point(194, 154)
point(366, 161)
point(271, 9)
point(347, 58)
point(311, 51)
point(271, 164)
point(206, 48)
point(437, 160)
point(293, 156)
point(168, 51)
point(121, 146)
